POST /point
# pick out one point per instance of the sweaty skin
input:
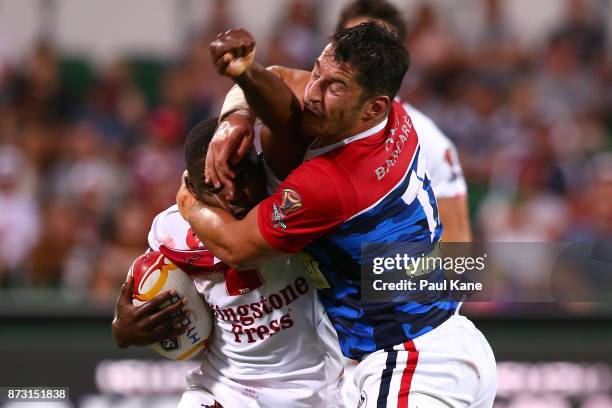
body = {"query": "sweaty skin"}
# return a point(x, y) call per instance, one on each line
point(455, 217)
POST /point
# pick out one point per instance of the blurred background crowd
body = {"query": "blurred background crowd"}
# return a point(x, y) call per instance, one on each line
point(89, 153)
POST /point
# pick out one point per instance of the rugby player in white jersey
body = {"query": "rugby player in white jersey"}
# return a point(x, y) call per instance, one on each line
point(442, 164)
point(272, 345)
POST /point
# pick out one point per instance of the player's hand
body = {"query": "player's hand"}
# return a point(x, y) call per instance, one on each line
point(233, 52)
point(147, 324)
point(185, 200)
point(231, 142)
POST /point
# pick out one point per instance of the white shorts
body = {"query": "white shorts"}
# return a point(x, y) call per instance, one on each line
point(221, 392)
point(451, 366)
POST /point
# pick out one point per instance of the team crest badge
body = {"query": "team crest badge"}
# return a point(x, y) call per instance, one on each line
point(290, 201)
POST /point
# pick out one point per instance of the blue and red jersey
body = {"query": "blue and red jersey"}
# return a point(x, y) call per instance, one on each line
point(371, 188)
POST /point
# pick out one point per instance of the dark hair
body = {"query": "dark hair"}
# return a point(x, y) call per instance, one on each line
point(376, 54)
point(376, 10)
point(196, 147)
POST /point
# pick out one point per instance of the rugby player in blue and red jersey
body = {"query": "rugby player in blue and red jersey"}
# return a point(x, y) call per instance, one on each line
point(362, 181)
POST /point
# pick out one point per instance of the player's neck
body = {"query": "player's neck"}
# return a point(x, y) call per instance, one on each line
point(364, 127)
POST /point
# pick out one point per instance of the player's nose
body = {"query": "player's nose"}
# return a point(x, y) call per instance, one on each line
point(313, 96)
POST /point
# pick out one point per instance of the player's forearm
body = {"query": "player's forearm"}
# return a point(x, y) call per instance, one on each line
point(235, 101)
point(226, 237)
point(270, 99)
point(454, 215)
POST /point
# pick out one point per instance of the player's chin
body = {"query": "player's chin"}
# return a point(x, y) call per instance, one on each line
point(312, 126)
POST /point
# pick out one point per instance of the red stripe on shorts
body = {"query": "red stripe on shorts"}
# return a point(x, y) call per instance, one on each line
point(411, 364)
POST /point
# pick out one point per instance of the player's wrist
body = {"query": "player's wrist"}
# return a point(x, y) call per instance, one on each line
point(119, 334)
point(248, 76)
point(240, 66)
point(241, 113)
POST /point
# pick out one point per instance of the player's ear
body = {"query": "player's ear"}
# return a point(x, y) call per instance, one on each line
point(376, 106)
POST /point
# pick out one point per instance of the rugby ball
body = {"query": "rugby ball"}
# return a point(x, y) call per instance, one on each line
point(153, 274)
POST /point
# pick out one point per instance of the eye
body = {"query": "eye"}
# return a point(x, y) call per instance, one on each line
point(336, 88)
point(315, 74)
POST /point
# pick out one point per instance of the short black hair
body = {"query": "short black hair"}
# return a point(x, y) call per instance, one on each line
point(196, 147)
point(376, 10)
point(376, 54)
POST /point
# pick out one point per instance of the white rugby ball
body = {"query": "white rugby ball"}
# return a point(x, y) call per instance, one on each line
point(153, 274)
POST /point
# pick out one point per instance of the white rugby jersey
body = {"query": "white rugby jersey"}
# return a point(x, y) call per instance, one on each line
point(441, 158)
point(270, 329)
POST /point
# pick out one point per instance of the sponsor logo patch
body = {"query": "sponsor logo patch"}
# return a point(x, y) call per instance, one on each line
point(315, 276)
point(278, 217)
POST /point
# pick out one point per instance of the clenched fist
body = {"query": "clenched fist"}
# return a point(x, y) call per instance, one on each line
point(233, 52)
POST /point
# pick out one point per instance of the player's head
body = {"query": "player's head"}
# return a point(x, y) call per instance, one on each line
point(250, 183)
point(354, 81)
point(379, 11)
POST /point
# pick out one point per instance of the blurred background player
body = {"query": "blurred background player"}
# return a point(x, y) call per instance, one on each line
point(272, 344)
point(442, 161)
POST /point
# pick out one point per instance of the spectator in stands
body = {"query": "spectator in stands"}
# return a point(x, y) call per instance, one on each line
point(19, 223)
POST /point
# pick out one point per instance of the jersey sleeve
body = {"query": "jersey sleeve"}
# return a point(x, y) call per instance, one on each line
point(447, 178)
point(441, 156)
point(305, 207)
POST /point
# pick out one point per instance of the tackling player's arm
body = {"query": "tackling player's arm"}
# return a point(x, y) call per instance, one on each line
point(285, 151)
point(451, 192)
point(271, 95)
point(455, 217)
point(237, 243)
point(271, 100)
point(235, 100)
point(235, 136)
point(298, 213)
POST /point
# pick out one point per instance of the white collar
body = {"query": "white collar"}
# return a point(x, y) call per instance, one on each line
point(312, 153)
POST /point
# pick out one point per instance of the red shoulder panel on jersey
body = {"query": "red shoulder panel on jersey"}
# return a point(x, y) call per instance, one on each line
point(340, 182)
point(193, 262)
point(196, 262)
